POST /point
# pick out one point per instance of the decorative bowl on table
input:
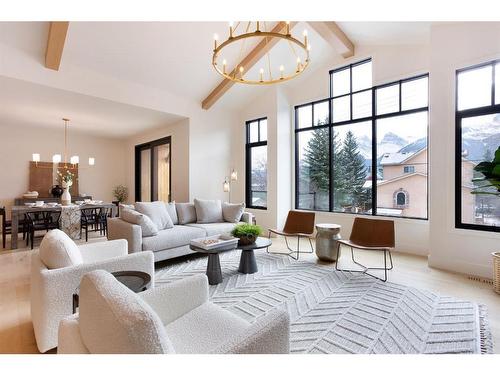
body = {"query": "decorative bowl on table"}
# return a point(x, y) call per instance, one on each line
point(52, 204)
point(246, 233)
point(79, 202)
point(39, 203)
point(29, 204)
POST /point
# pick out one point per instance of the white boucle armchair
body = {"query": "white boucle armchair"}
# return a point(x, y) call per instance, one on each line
point(52, 289)
point(175, 318)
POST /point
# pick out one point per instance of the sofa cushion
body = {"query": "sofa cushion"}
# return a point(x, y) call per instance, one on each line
point(232, 212)
point(186, 213)
point(212, 229)
point(113, 319)
point(179, 235)
point(57, 250)
point(133, 217)
point(204, 329)
point(157, 212)
point(172, 212)
point(208, 211)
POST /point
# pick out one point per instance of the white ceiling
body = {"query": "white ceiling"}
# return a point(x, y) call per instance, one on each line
point(173, 56)
point(25, 103)
point(386, 33)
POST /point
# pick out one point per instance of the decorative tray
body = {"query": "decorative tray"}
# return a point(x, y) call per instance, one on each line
point(221, 241)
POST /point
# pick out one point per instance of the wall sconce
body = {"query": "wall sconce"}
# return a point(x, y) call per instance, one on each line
point(91, 161)
point(234, 175)
point(74, 159)
point(36, 158)
point(227, 183)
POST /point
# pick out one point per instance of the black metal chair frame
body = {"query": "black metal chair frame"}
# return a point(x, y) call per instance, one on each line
point(292, 252)
point(365, 268)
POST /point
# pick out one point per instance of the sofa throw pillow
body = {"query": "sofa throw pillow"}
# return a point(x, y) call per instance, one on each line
point(114, 320)
point(133, 217)
point(57, 250)
point(208, 211)
point(126, 206)
point(232, 212)
point(186, 213)
point(157, 212)
point(172, 212)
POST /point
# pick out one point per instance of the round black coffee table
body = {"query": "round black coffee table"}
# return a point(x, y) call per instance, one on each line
point(248, 263)
point(136, 281)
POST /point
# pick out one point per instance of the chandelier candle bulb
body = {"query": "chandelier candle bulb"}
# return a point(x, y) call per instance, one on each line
point(241, 72)
point(305, 37)
point(74, 159)
point(216, 38)
point(231, 29)
point(91, 161)
point(224, 63)
point(36, 157)
point(282, 68)
point(261, 72)
point(287, 27)
point(56, 158)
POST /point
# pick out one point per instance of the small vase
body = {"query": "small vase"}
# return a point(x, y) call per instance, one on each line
point(56, 191)
point(66, 196)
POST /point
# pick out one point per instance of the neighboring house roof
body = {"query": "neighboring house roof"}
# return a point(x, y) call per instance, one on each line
point(396, 158)
point(368, 184)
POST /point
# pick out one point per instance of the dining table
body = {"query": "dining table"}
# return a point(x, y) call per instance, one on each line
point(69, 220)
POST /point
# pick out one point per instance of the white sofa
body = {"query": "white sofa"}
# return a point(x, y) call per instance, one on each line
point(176, 318)
point(52, 288)
point(171, 242)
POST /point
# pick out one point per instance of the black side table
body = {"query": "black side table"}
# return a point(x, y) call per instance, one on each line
point(136, 281)
point(248, 264)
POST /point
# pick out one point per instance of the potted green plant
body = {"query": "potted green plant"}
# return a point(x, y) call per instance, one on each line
point(489, 184)
point(120, 193)
point(246, 233)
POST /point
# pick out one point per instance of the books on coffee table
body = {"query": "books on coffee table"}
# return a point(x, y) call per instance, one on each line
point(218, 242)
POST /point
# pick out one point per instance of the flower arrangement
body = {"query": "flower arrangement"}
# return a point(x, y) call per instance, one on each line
point(65, 178)
point(247, 233)
point(120, 192)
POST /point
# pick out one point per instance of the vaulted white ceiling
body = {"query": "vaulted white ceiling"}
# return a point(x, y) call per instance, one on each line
point(171, 56)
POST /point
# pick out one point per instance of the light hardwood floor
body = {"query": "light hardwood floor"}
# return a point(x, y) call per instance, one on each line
point(16, 330)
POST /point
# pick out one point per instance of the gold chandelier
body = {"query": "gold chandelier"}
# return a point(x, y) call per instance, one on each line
point(300, 50)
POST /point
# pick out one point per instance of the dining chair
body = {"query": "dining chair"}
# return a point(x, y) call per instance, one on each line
point(104, 214)
point(373, 235)
point(7, 226)
point(40, 220)
point(298, 224)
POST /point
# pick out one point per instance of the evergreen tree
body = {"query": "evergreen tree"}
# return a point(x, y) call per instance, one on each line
point(353, 172)
point(316, 160)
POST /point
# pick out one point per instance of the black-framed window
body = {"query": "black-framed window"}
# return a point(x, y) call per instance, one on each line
point(477, 148)
point(153, 170)
point(360, 137)
point(256, 163)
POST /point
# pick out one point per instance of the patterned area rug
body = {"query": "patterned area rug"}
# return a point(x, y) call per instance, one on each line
point(341, 312)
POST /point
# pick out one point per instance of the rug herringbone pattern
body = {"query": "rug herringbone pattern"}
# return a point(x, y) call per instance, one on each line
point(341, 312)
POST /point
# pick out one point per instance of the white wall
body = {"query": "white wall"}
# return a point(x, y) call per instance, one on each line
point(210, 132)
point(19, 142)
point(179, 133)
point(455, 46)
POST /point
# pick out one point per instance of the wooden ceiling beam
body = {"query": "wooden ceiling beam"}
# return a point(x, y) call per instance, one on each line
point(333, 35)
point(248, 62)
point(55, 44)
